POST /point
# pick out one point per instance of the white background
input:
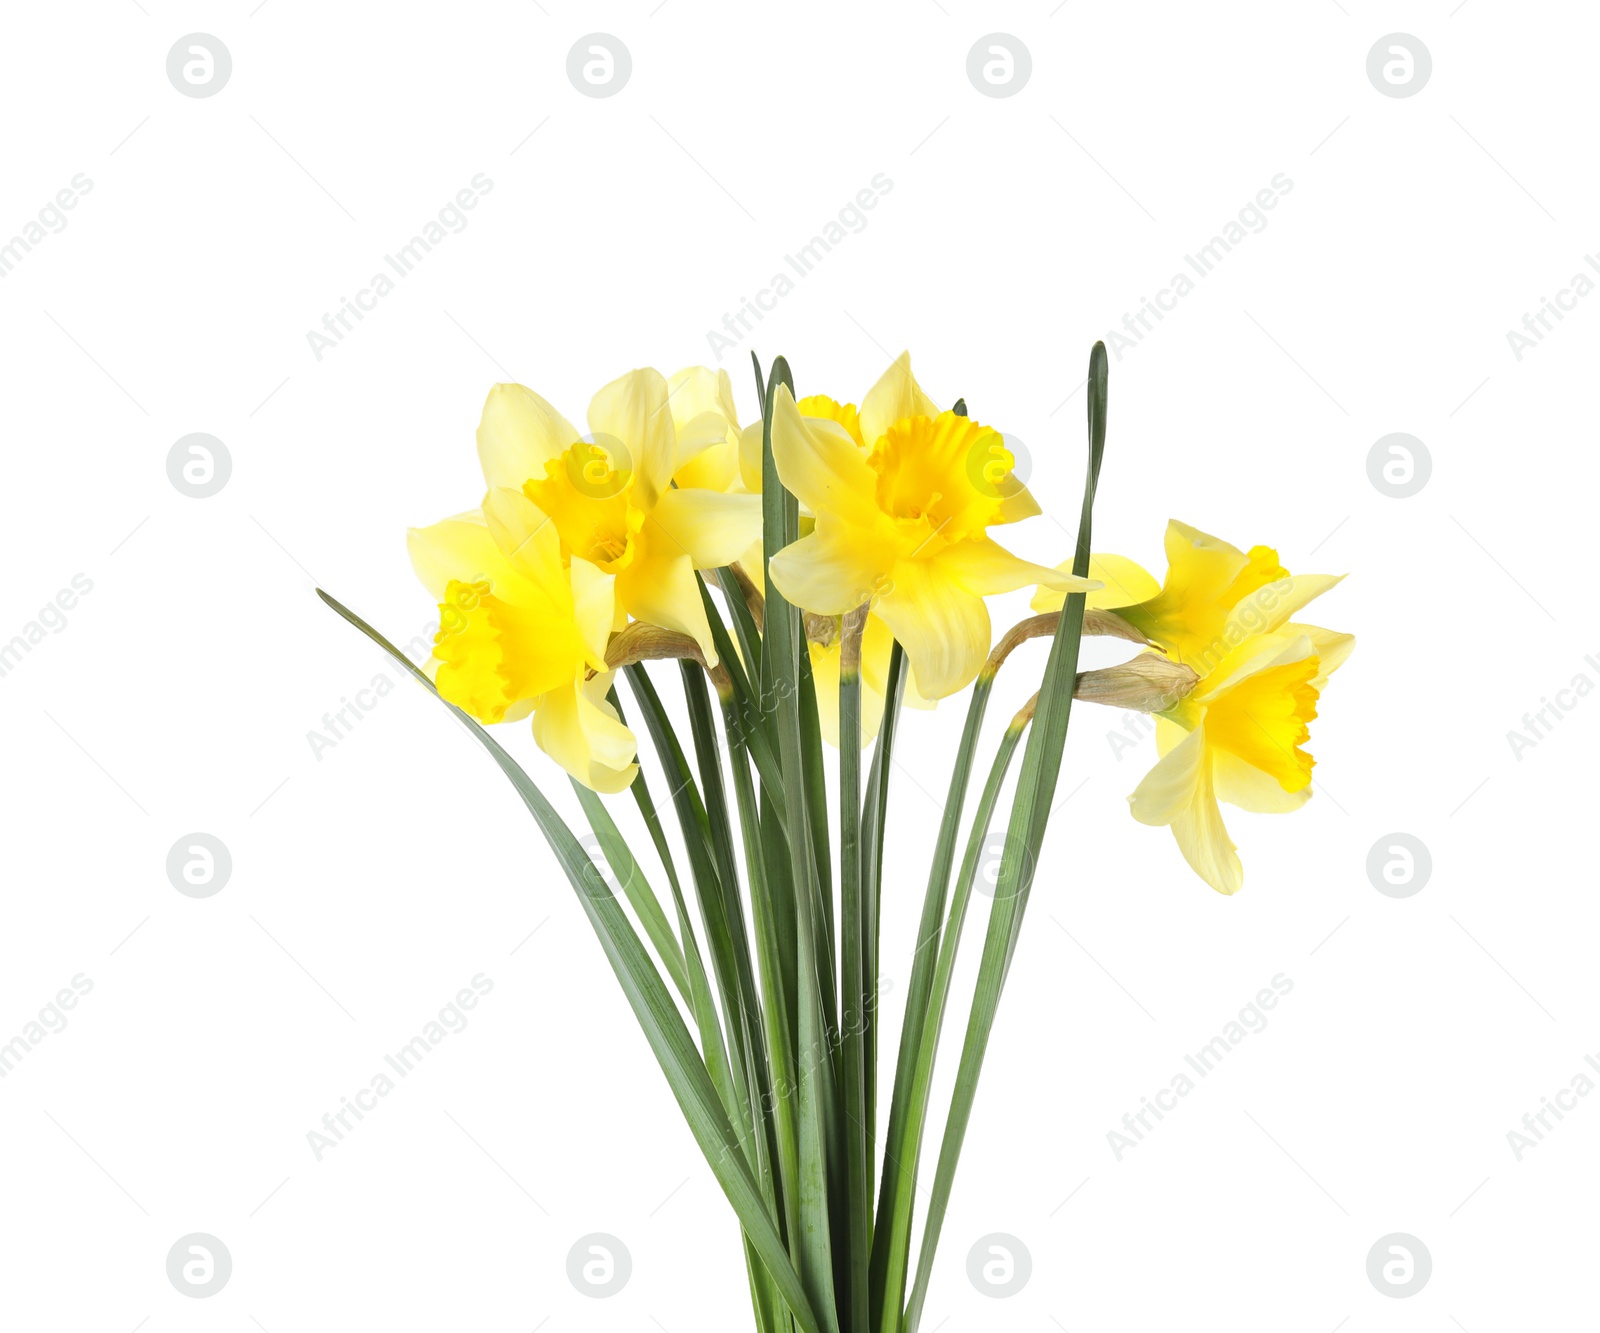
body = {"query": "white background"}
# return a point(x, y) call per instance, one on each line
point(372, 883)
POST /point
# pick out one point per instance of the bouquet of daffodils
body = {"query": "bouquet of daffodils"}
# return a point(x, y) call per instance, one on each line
point(812, 574)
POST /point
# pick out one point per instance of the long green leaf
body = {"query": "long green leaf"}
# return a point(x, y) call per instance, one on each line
point(748, 711)
point(891, 1239)
point(774, 999)
point(874, 820)
point(892, 1244)
point(652, 1005)
point(703, 728)
point(764, 1294)
point(780, 672)
point(1030, 812)
point(713, 899)
point(646, 906)
point(854, 999)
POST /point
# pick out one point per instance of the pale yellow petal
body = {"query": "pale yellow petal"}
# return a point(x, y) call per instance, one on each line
point(753, 561)
point(1179, 792)
point(578, 728)
point(1016, 504)
point(1195, 557)
point(593, 608)
point(518, 433)
point(985, 567)
point(529, 539)
point(1241, 783)
point(634, 409)
point(1203, 839)
point(750, 456)
point(943, 628)
point(1126, 582)
point(715, 529)
point(659, 588)
point(1270, 606)
point(821, 465)
point(830, 572)
point(461, 550)
point(703, 414)
point(1331, 647)
point(895, 396)
point(1171, 786)
point(1253, 656)
point(715, 468)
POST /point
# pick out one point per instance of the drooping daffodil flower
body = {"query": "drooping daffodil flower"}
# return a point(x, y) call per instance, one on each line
point(1213, 598)
point(1239, 734)
point(1239, 737)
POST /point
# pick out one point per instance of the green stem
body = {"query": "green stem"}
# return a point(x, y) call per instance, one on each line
point(774, 1008)
point(854, 927)
point(907, 1147)
point(892, 1238)
point(874, 821)
point(780, 671)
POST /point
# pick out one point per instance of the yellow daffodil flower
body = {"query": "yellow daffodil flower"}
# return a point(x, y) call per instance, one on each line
point(902, 516)
point(611, 496)
point(1214, 597)
point(1239, 737)
point(522, 630)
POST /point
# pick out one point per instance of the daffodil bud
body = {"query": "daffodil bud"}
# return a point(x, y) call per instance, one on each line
point(1149, 683)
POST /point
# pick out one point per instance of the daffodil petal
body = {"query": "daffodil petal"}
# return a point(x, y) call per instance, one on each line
point(895, 396)
point(460, 549)
point(1241, 783)
point(703, 414)
point(1331, 647)
point(831, 571)
point(593, 608)
point(943, 628)
point(1196, 557)
point(1126, 582)
point(985, 567)
point(1179, 792)
point(1170, 787)
point(1251, 657)
point(578, 728)
point(821, 465)
point(714, 528)
point(518, 433)
point(659, 588)
point(1016, 504)
point(634, 409)
point(753, 561)
point(750, 457)
point(1203, 839)
point(528, 538)
point(1269, 607)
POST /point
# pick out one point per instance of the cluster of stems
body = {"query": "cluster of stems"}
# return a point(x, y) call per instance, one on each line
point(762, 1005)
